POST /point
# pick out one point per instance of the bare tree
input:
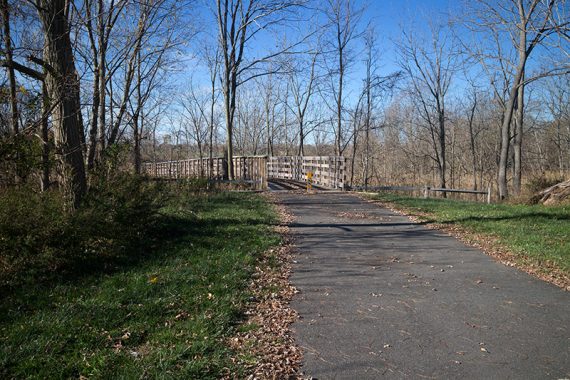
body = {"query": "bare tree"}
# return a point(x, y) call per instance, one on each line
point(557, 100)
point(62, 84)
point(212, 58)
point(302, 90)
point(375, 88)
point(343, 17)
point(430, 68)
point(194, 114)
point(525, 25)
point(5, 11)
point(239, 22)
point(106, 16)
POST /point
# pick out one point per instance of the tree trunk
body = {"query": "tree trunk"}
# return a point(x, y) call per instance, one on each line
point(506, 133)
point(62, 85)
point(229, 153)
point(102, 81)
point(137, 119)
point(137, 143)
point(353, 158)
point(472, 142)
point(45, 182)
point(517, 142)
point(338, 147)
point(9, 59)
point(301, 138)
point(211, 146)
point(442, 153)
point(94, 119)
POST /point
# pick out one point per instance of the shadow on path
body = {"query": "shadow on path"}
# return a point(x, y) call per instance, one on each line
point(382, 296)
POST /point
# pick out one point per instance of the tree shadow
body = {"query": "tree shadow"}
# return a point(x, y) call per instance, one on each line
point(531, 215)
point(26, 287)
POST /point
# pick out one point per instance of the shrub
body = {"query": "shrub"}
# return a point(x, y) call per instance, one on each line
point(38, 238)
point(537, 184)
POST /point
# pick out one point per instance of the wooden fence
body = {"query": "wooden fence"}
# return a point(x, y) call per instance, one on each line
point(328, 171)
point(251, 169)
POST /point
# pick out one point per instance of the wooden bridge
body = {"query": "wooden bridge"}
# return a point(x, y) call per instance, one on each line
point(329, 172)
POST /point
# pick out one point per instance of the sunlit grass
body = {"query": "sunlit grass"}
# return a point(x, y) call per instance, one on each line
point(166, 314)
point(537, 232)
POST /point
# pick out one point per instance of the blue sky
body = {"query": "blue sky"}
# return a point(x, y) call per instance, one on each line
point(387, 16)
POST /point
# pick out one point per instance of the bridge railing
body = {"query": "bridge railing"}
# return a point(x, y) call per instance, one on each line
point(246, 168)
point(328, 171)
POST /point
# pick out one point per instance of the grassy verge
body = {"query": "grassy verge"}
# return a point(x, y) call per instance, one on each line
point(535, 236)
point(165, 310)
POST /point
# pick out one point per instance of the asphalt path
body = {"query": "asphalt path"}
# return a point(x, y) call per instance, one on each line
point(383, 297)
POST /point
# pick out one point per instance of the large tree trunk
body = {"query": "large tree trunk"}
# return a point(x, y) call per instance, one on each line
point(353, 155)
point(229, 153)
point(517, 142)
point(229, 170)
point(62, 85)
point(506, 133)
point(9, 59)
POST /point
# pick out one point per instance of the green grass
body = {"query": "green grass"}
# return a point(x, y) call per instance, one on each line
point(165, 311)
point(537, 232)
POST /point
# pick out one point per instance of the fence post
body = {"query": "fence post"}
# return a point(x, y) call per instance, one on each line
point(489, 195)
point(426, 191)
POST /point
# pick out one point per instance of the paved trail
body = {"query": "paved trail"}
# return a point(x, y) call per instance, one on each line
point(384, 297)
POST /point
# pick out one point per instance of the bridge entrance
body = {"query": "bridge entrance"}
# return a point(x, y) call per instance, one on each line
point(274, 173)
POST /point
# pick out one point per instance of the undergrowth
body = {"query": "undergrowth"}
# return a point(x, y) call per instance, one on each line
point(145, 280)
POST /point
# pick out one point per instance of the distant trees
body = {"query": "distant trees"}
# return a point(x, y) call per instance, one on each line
point(280, 77)
point(430, 65)
point(522, 26)
point(239, 22)
point(343, 17)
point(303, 81)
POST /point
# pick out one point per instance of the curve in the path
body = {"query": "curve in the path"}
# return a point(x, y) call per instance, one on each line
point(381, 296)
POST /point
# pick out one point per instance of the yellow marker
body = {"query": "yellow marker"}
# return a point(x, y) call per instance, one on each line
point(309, 181)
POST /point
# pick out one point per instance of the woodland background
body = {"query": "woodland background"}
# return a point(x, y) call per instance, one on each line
point(469, 96)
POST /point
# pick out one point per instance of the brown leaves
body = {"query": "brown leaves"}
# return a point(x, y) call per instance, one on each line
point(268, 350)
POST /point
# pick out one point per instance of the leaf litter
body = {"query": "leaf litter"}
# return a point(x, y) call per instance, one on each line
point(265, 347)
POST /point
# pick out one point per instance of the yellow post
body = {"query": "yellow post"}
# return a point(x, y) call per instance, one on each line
point(309, 181)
